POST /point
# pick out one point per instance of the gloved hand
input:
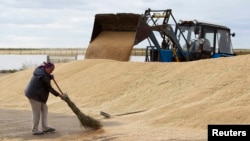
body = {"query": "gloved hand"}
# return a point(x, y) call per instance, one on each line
point(63, 96)
point(51, 77)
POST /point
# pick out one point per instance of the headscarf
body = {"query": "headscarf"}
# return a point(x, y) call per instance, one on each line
point(46, 65)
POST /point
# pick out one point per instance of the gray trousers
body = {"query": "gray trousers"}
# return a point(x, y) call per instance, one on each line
point(39, 109)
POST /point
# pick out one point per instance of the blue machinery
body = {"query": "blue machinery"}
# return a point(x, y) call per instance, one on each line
point(169, 40)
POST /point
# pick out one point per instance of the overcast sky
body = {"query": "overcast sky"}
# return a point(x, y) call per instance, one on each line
point(69, 23)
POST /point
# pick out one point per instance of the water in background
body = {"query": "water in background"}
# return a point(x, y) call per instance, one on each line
point(17, 62)
point(137, 58)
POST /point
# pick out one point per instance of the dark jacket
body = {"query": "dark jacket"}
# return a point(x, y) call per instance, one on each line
point(39, 86)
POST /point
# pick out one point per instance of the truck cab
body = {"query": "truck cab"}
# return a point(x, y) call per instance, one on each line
point(204, 40)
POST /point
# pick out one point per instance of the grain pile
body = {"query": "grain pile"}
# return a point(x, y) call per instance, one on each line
point(177, 100)
point(111, 45)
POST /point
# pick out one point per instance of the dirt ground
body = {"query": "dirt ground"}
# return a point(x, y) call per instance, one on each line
point(167, 101)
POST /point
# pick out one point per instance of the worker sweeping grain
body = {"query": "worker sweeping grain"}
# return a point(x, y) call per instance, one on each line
point(37, 93)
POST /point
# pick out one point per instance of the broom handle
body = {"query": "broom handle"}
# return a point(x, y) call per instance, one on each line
point(57, 86)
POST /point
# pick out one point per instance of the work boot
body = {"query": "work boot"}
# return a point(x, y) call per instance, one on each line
point(37, 132)
point(49, 129)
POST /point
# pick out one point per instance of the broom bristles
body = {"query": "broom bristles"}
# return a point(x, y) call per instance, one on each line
point(86, 121)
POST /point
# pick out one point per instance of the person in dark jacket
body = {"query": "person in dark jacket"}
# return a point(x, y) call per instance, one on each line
point(37, 93)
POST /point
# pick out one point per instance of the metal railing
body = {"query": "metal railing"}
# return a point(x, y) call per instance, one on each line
point(77, 51)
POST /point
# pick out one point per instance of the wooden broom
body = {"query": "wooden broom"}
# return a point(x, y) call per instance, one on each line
point(86, 121)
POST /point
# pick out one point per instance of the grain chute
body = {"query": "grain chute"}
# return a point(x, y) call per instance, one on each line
point(114, 36)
